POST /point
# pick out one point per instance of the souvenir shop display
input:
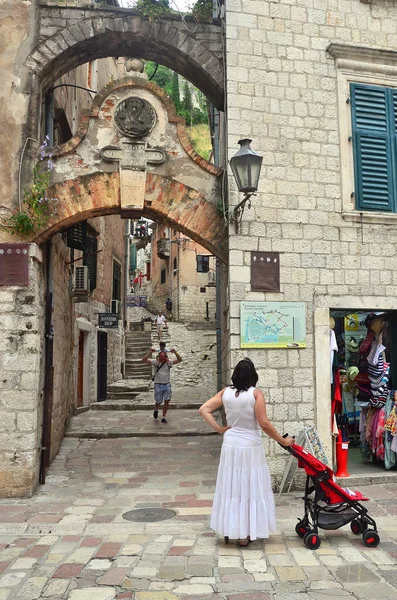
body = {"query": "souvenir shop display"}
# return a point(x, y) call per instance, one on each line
point(364, 409)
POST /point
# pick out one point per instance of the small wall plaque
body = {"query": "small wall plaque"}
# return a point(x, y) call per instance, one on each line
point(14, 264)
point(265, 271)
point(108, 320)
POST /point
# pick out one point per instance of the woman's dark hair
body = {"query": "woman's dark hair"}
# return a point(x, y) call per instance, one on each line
point(244, 375)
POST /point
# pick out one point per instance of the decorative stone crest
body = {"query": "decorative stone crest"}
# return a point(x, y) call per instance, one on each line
point(135, 117)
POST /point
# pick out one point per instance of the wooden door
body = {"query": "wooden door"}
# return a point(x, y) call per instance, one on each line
point(102, 366)
point(80, 371)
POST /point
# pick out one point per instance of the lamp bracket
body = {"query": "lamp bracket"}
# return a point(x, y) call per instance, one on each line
point(238, 210)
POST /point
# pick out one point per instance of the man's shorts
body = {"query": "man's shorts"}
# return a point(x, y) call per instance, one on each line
point(162, 392)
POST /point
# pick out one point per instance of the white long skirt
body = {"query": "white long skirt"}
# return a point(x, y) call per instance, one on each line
point(243, 502)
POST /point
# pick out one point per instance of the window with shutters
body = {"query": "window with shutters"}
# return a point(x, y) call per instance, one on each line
point(163, 276)
point(90, 258)
point(116, 294)
point(203, 263)
point(374, 129)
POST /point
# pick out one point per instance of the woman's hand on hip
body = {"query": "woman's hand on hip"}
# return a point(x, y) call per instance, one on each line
point(223, 429)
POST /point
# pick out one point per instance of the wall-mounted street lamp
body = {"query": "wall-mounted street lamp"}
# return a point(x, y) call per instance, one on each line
point(246, 167)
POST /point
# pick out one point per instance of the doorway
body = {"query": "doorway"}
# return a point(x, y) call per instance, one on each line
point(102, 366)
point(80, 371)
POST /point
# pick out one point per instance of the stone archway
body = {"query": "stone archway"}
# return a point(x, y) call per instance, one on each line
point(182, 189)
point(69, 37)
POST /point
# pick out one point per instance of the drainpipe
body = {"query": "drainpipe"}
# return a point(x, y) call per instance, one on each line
point(48, 368)
point(218, 318)
point(170, 270)
point(49, 116)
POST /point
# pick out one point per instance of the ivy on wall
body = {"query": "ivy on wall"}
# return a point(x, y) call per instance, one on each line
point(37, 207)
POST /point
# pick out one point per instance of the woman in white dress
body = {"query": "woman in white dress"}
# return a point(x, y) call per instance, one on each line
point(243, 506)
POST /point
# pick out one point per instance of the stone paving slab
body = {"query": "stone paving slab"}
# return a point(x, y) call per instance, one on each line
point(70, 541)
point(119, 423)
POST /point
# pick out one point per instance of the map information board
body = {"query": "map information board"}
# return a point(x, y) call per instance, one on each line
point(273, 325)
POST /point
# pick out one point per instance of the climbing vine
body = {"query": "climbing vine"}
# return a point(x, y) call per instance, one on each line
point(202, 10)
point(37, 207)
point(156, 9)
point(153, 9)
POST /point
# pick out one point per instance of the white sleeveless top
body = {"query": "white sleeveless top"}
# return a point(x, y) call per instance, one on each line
point(240, 414)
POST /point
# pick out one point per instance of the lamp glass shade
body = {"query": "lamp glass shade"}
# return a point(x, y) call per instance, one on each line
point(246, 167)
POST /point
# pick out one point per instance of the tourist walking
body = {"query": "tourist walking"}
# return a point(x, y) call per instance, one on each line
point(161, 322)
point(168, 306)
point(162, 378)
point(243, 506)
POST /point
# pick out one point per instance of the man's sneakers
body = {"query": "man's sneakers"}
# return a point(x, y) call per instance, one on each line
point(155, 414)
point(164, 420)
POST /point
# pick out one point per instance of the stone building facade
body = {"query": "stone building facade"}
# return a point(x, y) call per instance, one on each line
point(289, 69)
point(292, 71)
point(184, 271)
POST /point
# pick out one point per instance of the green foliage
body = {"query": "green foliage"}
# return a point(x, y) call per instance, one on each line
point(175, 94)
point(202, 11)
point(201, 139)
point(153, 9)
point(36, 208)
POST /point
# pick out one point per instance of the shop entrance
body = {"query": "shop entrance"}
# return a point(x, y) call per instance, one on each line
point(363, 356)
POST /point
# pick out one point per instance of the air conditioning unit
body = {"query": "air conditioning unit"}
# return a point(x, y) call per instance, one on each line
point(116, 307)
point(81, 280)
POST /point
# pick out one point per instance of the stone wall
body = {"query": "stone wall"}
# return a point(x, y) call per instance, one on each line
point(197, 347)
point(64, 359)
point(21, 381)
point(284, 91)
point(192, 303)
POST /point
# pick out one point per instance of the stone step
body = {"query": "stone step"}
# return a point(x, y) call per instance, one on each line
point(126, 423)
point(129, 405)
point(123, 395)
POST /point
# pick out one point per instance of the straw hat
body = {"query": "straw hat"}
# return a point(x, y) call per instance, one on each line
point(352, 373)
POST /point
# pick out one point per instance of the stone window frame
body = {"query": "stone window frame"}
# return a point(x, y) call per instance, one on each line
point(369, 66)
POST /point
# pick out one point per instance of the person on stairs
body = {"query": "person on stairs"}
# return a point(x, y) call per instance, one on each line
point(161, 322)
point(162, 378)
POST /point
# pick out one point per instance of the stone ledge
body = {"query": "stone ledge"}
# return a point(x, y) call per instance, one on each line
point(370, 217)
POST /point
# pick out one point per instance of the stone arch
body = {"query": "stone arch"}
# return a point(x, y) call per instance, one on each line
point(166, 200)
point(197, 56)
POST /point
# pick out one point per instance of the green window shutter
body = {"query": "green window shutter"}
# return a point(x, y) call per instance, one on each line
point(373, 126)
point(90, 260)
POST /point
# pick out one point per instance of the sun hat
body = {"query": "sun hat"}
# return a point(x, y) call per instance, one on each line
point(352, 373)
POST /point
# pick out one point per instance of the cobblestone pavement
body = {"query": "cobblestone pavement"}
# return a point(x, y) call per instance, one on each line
point(70, 540)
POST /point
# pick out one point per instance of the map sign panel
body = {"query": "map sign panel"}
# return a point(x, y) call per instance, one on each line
point(273, 325)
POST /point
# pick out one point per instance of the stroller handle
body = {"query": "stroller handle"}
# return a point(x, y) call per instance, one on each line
point(287, 448)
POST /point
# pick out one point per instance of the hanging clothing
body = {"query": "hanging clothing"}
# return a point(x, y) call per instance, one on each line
point(333, 347)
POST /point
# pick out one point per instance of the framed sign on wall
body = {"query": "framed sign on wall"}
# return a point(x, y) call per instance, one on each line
point(273, 325)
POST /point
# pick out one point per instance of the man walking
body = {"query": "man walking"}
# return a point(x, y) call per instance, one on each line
point(160, 323)
point(168, 306)
point(162, 379)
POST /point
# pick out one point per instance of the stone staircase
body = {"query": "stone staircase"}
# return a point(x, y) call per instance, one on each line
point(137, 343)
point(129, 403)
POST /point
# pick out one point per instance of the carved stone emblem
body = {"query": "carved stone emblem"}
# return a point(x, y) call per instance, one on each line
point(135, 117)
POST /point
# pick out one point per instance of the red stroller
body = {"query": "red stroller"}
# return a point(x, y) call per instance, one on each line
point(328, 506)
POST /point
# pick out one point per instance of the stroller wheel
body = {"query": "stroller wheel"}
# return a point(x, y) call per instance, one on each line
point(302, 528)
point(312, 540)
point(356, 526)
point(371, 538)
point(226, 539)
